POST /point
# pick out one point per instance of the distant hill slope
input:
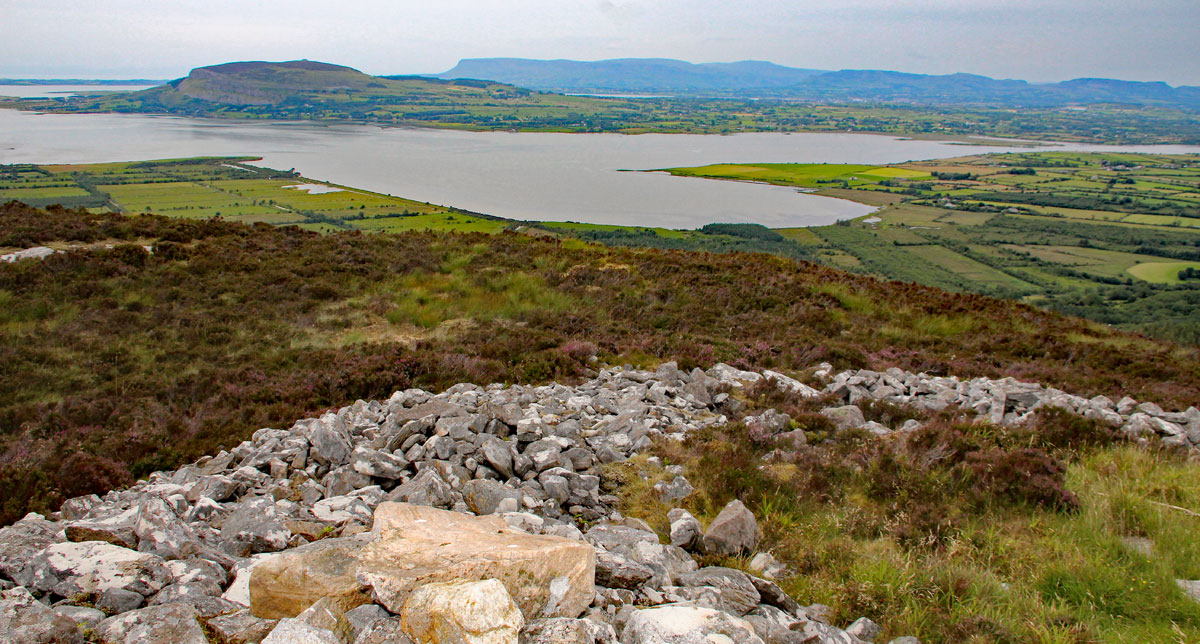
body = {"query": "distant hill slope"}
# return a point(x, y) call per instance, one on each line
point(651, 75)
point(630, 74)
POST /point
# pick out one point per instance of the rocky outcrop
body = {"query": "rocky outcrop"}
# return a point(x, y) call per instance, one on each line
point(329, 528)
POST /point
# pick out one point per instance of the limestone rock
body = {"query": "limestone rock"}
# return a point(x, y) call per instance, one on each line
point(685, 624)
point(294, 631)
point(765, 565)
point(487, 497)
point(426, 488)
point(733, 532)
point(735, 592)
point(241, 627)
point(411, 546)
point(563, 630)
point(25, 620)
point(847, 417)
point(22, 540)
point(166, 624)
point(90, 567)
point(686, 531)
point(253, 528)
point(864, 629)
point(470, 612)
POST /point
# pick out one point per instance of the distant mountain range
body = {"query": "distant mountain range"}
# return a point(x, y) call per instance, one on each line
point(768, 80)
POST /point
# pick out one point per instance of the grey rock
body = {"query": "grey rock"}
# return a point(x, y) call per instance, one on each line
point(563, 630)
point(22, 540)
point(166, 624)
point(383, 631)
point(685, 624)
point(846, 417)
point(487, 497)
point(377, 464)
point(773, 595)
point(81, 615)
point(686, 531)
point(498, 455)
point(737, 594)
point(159, 531)
point(365, 615)
point(907, 639)
point(254, 527)
point(617, 571)
point(733, 532)
point(765, 565)
point(25, 620)
point(70, 569)
point(426, 488)
point(1191, 588)
point(241, 627)
point(294, 631)
point(330, 442)
point(677, 489)
point(115, 601)
point(864, 629)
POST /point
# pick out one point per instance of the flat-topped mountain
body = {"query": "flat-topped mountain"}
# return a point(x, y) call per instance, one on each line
point(265, 83)
point(764, 79)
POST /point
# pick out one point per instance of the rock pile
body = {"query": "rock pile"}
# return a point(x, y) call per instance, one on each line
point(474, 515)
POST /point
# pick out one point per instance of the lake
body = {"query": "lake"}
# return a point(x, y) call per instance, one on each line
point(534, 176)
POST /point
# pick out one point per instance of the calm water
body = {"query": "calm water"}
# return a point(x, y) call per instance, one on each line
point(523, 176)
point(59, 91)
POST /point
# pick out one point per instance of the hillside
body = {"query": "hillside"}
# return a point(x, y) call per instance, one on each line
point(765, 79)
point(147, 342)
point(644, 75)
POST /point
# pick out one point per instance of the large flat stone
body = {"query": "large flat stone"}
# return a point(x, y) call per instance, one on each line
point(413, 545)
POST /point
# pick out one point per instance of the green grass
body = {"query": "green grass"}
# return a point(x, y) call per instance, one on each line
point(1161, 272)
point(992, 571)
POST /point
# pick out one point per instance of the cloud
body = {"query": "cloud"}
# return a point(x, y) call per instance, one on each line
point(1034, 39)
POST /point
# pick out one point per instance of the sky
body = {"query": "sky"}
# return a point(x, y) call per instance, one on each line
point(1036, 40)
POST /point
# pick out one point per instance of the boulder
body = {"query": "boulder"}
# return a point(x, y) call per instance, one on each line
point(240, 627)
point(487, 497)
point(91, 567)
point(677, 489)
point(166, 624)
point(117, 529)
point(686, 624)
point(294, 631)
point(22, 540)
point(253, 528)
point(686, 531)
point(735, 592)
point(465, 612)
point(733, 532)
point(383, 631)
point(864, 629)
point(411, 546)
point(25, 620)
point(563, 630)
point(765, 565)
point(846, 417)
point(426, 488)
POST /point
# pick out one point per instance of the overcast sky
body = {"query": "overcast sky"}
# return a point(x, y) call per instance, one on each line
point(1038, 40)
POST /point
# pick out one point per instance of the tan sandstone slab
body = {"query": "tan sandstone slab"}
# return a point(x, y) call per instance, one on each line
point(412, 545)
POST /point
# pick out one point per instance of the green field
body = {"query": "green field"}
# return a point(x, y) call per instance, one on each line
point(232, 189)
point(1100, 235)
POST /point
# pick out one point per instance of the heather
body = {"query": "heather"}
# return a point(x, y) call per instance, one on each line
point(123, 361)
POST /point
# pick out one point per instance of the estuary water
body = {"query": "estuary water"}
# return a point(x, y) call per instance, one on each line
point(532, 176)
